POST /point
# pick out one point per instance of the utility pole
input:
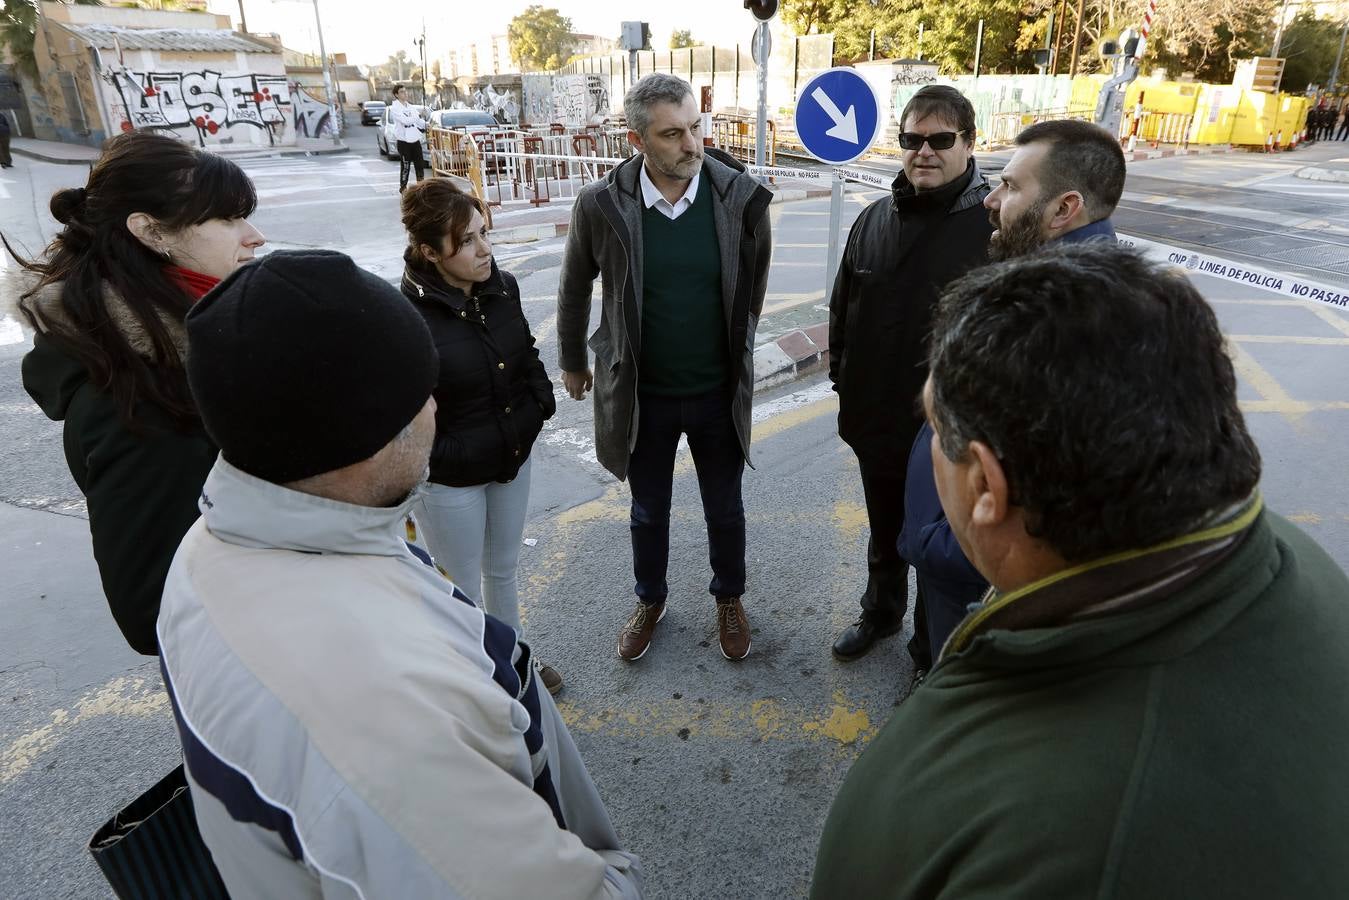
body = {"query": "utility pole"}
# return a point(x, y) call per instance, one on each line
point(1339, 57)
point(1077, 37)
point(978, 49)
point(1058, 38)
point(421, 49)
point(243, 20)
point(333, 120)
point(1278, 30)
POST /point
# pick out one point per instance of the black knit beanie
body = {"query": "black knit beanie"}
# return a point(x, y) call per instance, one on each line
point(302, 363)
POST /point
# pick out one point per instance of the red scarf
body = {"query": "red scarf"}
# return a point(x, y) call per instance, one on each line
point(194, 283)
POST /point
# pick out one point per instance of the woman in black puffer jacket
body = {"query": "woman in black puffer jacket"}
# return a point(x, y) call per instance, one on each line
point(492, 398)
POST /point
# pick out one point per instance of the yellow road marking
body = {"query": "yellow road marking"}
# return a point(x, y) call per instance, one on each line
point(1308, 518)
point(1264, 384)
point(790, 301)
point(850, 518)
point(764, 719)
point(1339, 323)
point(119, 697)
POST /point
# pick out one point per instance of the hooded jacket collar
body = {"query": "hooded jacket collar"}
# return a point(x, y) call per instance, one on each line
point(420, 286)
point(47, 309)
point(1101, 229)
point(956, 195)
point(1091, 596)
point(245, 510)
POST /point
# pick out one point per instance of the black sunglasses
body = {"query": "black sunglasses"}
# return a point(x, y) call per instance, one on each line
point(942, 140)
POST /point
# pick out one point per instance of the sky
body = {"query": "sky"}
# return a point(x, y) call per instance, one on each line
point(350, 27)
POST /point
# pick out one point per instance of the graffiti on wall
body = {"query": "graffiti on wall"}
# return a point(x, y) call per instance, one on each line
point(501, 105)
point(206, 103)
point(914, 73)
point(572, 100)
point(312, 118)
point(538, 99)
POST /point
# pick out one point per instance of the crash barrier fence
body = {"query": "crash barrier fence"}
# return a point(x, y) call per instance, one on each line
point(542, 165)
point(1006, 126)
point(738, 136)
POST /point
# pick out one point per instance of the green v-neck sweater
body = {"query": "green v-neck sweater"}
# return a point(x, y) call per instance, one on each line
point(684, 350)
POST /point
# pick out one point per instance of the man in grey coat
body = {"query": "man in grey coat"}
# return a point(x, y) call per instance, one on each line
point(679, 237)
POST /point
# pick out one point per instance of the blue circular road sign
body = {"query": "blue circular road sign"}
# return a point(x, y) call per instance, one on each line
point(837, 116)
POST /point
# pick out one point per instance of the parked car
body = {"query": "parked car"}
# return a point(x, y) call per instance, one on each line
point(371, 112)
point(388, 144)
point(463, 119)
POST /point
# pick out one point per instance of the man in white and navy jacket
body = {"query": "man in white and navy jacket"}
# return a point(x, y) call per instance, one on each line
point(352, 725)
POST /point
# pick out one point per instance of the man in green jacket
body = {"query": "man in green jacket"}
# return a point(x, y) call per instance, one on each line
point(1153, 699)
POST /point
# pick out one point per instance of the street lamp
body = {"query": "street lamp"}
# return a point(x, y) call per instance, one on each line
point(333, 120)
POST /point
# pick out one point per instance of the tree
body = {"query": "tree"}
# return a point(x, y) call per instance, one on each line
point(540, 38)
point(18, 31)
point(681, 38)
point(1310, 45)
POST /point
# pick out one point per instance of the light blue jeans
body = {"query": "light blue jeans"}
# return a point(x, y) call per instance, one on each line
point(474, 533)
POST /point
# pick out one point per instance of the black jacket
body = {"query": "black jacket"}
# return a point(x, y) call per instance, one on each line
point(901, 252)
point(142, 488)
point(493, 395)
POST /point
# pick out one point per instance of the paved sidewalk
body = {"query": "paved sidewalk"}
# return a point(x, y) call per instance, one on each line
point(80, 155)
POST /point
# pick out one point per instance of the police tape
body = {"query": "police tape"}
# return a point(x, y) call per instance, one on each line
point(822, 176)
point(1264, 279)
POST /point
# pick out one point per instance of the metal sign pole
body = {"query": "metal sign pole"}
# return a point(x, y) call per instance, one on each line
point(328, 80)
point(761, 130)
point(835, 226)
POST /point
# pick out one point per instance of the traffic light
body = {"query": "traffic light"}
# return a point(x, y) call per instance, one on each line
point(635, 36)
point(763, 10)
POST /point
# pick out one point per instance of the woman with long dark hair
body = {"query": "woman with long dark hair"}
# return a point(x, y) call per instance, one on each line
point(492, 398)
point(158, 224)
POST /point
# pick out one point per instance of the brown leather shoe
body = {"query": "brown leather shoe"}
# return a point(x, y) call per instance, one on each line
point(635, 637)
point(734, 628)
point(550, 677)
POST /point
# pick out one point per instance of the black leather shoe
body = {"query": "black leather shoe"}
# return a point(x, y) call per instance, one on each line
point(858, 637)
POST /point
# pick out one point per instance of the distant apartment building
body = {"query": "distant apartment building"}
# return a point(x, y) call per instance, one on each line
point(491, 55)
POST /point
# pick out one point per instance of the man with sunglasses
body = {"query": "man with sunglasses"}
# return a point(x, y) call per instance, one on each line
point(1060, 186)
point(901, 252)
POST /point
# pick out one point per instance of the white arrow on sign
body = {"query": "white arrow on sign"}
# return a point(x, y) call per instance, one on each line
point(845, 126)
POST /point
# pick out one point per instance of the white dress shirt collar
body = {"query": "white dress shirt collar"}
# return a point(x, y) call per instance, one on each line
point(652, 196)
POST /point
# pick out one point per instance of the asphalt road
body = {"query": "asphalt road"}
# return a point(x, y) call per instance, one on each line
point(719, 774)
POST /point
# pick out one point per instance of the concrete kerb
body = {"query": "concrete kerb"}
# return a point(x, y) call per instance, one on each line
point(793, 355)
point(80, 155)
point(1316, 173)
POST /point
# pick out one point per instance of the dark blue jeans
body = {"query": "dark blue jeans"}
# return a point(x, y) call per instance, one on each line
point(719, 461)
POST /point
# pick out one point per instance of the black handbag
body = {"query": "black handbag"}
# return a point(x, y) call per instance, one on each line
point(152, 850)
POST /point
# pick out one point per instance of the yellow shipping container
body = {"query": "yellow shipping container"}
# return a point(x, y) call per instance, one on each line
point(1292, 117)
point(1261, 114)
point(1216, 110)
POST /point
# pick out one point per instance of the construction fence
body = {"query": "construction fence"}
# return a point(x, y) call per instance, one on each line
point(541, 165)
